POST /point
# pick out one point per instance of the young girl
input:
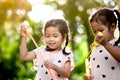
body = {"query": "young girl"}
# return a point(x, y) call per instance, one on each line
point(56, 58)
point(105, 58)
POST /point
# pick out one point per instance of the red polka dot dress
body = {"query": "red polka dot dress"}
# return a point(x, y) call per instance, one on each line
point(59, 59)
point(103, 65)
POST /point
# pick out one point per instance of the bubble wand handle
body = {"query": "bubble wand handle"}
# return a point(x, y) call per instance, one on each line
point(33, 41)
point(95, 44)
point(87, 67)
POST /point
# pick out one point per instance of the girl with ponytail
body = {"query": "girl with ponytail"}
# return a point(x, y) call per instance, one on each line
point(56, 57)
point(105, 58)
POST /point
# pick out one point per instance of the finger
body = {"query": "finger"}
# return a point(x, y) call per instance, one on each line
point(24, 27)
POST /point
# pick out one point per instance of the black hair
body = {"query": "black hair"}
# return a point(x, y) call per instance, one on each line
point(118, 18)
point(107, 17)
point(62, 27)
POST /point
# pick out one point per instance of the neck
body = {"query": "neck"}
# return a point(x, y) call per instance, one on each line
point(49, 49)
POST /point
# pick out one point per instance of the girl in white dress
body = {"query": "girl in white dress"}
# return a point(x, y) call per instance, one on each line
point(53, 56)
point(105, 58)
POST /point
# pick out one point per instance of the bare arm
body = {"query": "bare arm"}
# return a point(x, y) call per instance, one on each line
point(65, 71)
point(24, 55)
point(114, 51)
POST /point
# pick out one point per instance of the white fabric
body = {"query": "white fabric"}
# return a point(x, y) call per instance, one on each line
point(59, 59)
point(103, 65)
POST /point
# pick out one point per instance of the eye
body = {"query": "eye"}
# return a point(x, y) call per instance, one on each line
point(55, 36)
point(101, 30)
point(47, 36)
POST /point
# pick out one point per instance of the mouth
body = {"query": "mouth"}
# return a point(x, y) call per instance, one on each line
point(51, 44)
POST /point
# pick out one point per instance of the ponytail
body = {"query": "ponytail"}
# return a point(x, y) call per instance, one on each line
point(66, 43)
point(118, 18)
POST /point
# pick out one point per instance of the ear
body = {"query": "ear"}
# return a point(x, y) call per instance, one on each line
point(113, 27)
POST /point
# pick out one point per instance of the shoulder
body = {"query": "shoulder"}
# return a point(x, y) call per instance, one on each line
point(69, 56)
point(112, 42)
point(69, 51)
point(39, 49)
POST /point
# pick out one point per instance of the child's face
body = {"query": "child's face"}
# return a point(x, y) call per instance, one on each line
point(98, 27)
point(53, 38)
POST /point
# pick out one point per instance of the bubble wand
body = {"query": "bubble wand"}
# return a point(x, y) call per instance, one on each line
point(50, 70)
point(87, 67)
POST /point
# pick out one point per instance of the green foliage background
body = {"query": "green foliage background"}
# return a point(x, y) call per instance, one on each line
point(76, 12)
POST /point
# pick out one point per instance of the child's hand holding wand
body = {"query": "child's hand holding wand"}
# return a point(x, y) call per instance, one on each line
point(25, 33)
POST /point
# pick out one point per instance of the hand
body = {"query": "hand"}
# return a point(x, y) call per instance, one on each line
point(49, 64)
point(88, 77)
point(99, 38)
point(24, 31)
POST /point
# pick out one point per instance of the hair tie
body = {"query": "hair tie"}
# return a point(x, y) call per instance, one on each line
point(115, 13)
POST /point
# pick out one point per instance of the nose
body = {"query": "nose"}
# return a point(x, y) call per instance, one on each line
point(96, 33)
point(51, 38)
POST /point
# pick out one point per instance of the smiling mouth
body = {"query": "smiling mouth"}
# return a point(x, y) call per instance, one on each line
point(51, 43)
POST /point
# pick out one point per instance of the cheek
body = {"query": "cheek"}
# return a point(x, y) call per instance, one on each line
point(59, 39)
point(46, 40)
point(107, 36)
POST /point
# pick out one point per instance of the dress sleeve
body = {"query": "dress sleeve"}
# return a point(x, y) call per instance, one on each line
point(38, 58)
point(119, 45)
point(71, 58)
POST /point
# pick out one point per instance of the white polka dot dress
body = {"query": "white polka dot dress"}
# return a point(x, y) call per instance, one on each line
point(59, 59)
point(103, 65)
